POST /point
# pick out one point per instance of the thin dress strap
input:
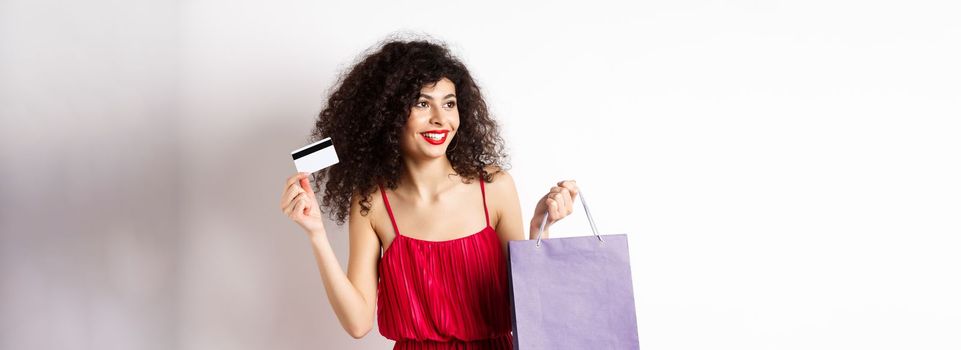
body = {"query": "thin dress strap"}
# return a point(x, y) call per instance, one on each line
point(484, 195)
point(390, 212)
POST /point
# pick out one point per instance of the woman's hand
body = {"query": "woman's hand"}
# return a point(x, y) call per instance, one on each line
point(557, 204)
point(299, 203)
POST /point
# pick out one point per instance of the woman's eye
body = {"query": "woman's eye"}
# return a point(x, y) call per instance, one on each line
point(451, 104)
point(421, 104)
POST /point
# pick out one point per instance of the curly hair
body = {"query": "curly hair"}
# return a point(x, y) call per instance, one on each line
point(369, 107)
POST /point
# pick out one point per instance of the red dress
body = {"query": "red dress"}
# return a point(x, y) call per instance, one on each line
point(441, 295)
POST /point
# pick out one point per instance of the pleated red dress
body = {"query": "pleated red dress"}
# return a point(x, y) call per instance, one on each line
point(442, 295)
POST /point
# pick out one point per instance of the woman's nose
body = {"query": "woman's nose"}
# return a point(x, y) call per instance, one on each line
point(435, 117)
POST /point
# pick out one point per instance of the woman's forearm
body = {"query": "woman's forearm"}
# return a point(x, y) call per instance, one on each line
point(348, 303)
point(534, 228)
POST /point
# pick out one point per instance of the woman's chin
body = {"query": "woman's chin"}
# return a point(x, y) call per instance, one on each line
point(433, 153)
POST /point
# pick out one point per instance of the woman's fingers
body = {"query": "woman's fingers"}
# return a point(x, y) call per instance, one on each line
point(571, 189)
point(292, 192)
point(299, 207)
point(305, 184)
point(563, 198)
point(299, 203)
point(292, 204)
point(552, 209)
point(294, 178)
point(289, 207)
point(571, 186)
point(565, 201)
point(559, 201)
point(557, 204)
point(307, 203)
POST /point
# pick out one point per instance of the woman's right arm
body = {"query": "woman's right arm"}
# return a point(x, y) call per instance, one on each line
point(351, 295)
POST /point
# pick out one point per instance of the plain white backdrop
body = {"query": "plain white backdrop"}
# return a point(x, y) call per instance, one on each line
point(787, 171)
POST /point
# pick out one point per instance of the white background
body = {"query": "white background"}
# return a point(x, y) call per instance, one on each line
point(787, 172)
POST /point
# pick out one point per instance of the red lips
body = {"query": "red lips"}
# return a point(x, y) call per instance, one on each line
point(432, 141)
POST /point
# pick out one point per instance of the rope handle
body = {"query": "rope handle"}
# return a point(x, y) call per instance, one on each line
point(587, 211)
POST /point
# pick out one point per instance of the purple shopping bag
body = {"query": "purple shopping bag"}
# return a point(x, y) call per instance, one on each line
point(572, 293)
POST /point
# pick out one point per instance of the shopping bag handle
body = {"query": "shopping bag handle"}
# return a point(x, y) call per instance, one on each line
point(590, 220)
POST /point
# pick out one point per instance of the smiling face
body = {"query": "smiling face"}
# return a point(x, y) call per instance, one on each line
point(432, 122)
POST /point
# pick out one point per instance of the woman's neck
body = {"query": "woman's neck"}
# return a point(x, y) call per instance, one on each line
point(426, 179)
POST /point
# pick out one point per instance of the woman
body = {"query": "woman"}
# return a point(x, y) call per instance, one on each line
point(421, 168)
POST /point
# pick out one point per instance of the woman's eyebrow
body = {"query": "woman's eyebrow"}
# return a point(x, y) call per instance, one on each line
point(431, 98)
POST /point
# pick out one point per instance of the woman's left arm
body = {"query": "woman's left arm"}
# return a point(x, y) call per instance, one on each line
point(558, 203)
point(510, 223)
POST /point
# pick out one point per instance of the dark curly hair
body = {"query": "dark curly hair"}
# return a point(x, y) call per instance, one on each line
point(369, 107)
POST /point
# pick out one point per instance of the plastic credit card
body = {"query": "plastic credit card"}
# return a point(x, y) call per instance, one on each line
point(315, 156)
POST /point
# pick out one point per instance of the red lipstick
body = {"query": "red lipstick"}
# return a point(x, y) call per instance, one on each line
point(435, 141)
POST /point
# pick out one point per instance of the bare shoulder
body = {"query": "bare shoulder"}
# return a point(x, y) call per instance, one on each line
point(503, 200)
point(501, 182)
point(375, 201)
point(501, 193)
point(374, 219)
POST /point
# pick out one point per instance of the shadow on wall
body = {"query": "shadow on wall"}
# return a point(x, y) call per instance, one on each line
point(252, 280)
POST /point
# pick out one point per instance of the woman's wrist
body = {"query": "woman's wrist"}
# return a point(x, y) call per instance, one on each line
point(316, 235)
point(536, 226)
